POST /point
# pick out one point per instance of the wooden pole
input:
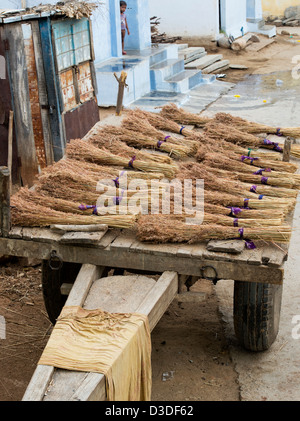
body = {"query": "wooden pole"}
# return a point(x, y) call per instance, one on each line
point(122, 84)
point(10, 141)
point(287, 149)
point(5, 220)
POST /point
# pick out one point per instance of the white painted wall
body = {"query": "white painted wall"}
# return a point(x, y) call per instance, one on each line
point(233, 17)
point(200, 18)
point(188, 18)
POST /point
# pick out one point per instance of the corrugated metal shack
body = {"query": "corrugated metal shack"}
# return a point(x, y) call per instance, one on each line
point(48, 80)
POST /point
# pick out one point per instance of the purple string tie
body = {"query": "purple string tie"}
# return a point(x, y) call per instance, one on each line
point(260, 197)
point(95, 211)
point(264, 180)
point(86, 207)
point(235, 211)
point(246, 203)
point(249, 244)
point(243, 158)
point(116, 180)
point(166, 138)
point(278, 132)
point(253, 189)
point(118, 199)
point(259, 172)
point(159, 143)
point(180, 131)
point(131, 161)
point(275, 145)
point(236, 222)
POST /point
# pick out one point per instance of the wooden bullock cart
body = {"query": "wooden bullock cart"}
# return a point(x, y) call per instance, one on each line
point(76, 264)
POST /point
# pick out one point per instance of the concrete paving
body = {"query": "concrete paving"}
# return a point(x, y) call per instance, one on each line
point(273, 375)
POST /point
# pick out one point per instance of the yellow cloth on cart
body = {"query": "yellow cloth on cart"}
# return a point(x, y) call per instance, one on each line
point(115, 345)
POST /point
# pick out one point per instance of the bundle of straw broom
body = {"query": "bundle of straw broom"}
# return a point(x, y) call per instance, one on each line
point(30, 214)
point(135, 123)
point(81, 150)
point(218, 161)
point(172, 112)
point(256, 128)
point(162, 229)
point(288, 183)
point(134, 139)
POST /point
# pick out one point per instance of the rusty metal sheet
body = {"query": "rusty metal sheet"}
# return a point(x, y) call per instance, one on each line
point(85, 82)
point(79, 121)
point(68, 89)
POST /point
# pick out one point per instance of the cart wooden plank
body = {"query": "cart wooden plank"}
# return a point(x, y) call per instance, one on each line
point(113, 251)
point(145, 296)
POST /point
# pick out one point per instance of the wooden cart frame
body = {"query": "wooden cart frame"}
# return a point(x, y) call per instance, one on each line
point(257, 274)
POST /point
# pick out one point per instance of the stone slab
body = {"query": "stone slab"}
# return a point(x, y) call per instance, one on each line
point(203, 62)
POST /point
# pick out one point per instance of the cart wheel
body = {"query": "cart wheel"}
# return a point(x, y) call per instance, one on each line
point(51, 283)
point(256, 314)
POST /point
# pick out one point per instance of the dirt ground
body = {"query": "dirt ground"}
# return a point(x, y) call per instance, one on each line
point(190, 358)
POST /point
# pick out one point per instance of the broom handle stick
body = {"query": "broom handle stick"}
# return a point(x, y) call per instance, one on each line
point(287, 149)
point(122, 83)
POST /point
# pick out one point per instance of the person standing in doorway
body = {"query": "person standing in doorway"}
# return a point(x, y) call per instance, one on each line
point(124, 25)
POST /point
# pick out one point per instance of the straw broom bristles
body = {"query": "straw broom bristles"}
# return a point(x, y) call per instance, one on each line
point(161, 123)
point(94, 171)
point(172, 112)
point(196, 171)
point(133, 139)
point(240, 201)
point(138, 123)
point(218, 161)
point(161, 229)
point(217, 130)
point(116, 147)
point(238, 135)
point(252, 127)
point(43, 199)
point(81, 150)
point(288, 183)
point(236, 212)
point(29, 214)
point(245, 159)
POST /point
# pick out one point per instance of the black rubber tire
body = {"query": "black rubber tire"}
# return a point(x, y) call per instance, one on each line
point(51, 283)
point(257, 309)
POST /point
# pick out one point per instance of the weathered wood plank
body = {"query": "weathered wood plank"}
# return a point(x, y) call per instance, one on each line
point(83, 238)
point(87, 275)
point(36, 390)
point(58, 138)
point(43, 96)
point(79, 228)
point(152, 299)
point(40, 234)
point(39, 383)
point(139, 260)
point(229, 246)
point(159, 298)
point(21, 103)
